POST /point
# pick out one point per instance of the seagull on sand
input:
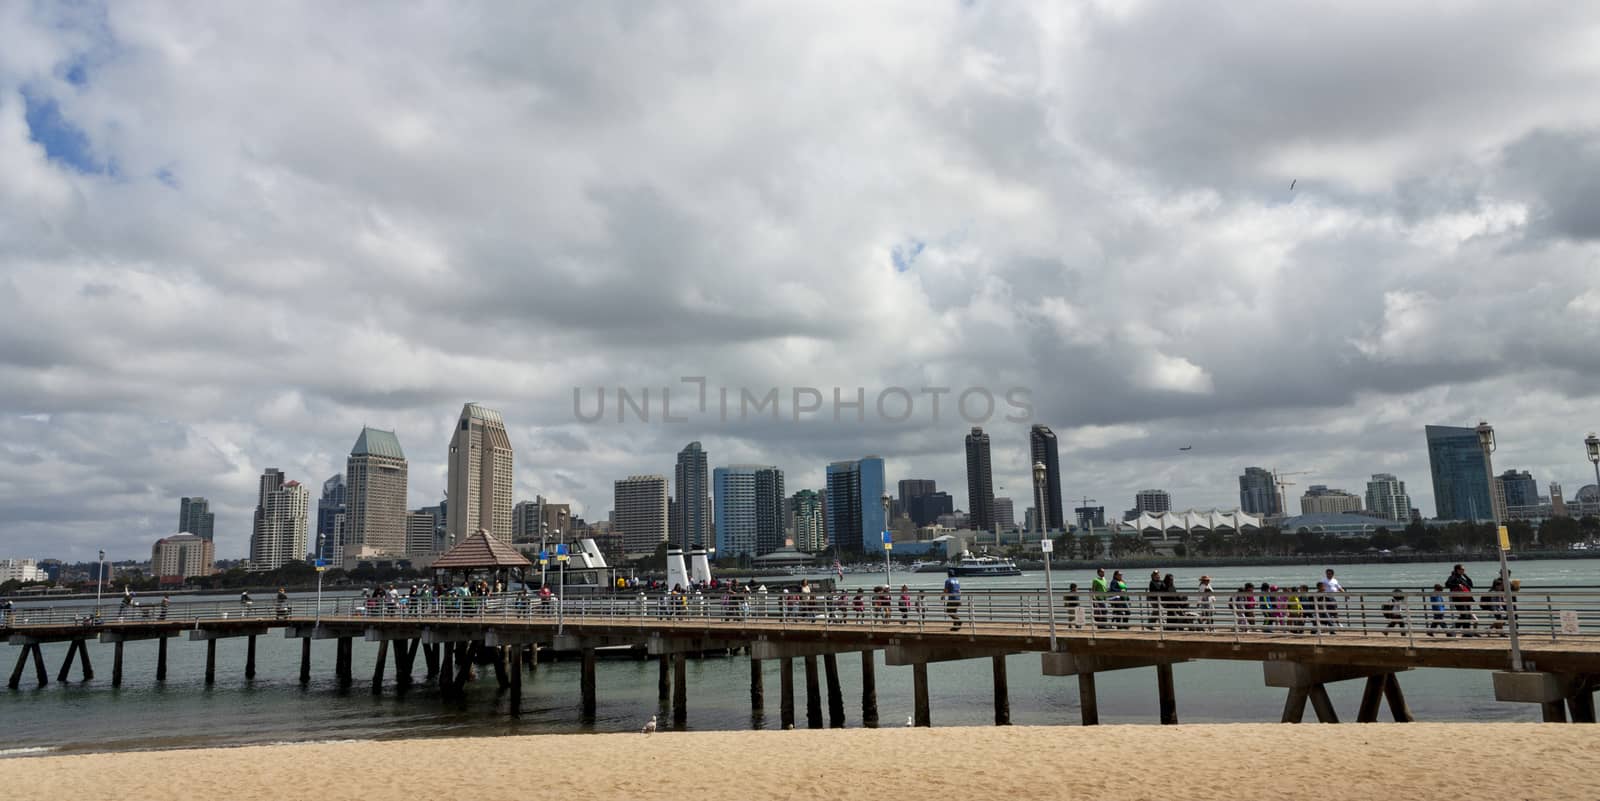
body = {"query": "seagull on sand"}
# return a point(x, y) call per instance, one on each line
point(909, 721)
point(650, 726)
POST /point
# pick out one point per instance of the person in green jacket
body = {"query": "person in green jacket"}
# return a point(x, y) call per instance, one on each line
point(1119, 599)
point(1099, 587)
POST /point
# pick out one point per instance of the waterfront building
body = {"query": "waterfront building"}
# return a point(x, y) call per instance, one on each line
point(21, 570)
point(854, 499)
point(1171, 525)
point(375, 479)
point(1005, 514)
point(1258, 492)
point(195, 517)
point(1520, 489)
point(691, 501)
point(1042, 449)
point(1342, 525)
point(1387, 498)
point(1320, 500)
point(1461, 488)
point(1154, 501)
point(440, 513)
point(281, 524)
point(330, 520)
point(1558, 504)
point(980, 481)
point(1091, 517)
point(182, 556)
point(419, 534)
point(925, 510)
point(639, 512)
point(480, 479)
point(748, 502)
point(526, 519)
point(810, 530)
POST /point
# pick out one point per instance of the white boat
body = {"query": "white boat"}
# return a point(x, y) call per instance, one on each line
point(983, 566)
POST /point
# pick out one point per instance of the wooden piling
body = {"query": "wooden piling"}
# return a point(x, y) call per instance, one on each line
point(464, 659)
point(830, 669)
point(919, 693)
point(1322, 704)
point(664, 680)
point(305, 659)
point(1581, 706)
point(446, 674)
point(869, 690)
point(1169, 697)
point(1553, 712)
point(516, 681)
point(405, 652)
point(1002, 694)
point(786, 693)
point(250, 658)
point(813, 695)
point(1294, 707)
point(680, 690)
point(161, 659)
point(500, 677)
point(587, 682)
point(211, 662)
point(1088, 701)
point(66, 664)
point(430, 656)
point(1371, 698)
point(16, 672)
point(342, 665)
point(116, 664)
point(378, 666)
point(758, 699)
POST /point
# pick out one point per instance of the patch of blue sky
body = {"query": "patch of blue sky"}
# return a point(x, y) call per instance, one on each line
point(62, 140)
point(905, 255)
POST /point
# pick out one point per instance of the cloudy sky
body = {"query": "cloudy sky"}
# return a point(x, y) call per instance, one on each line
point(231, 235)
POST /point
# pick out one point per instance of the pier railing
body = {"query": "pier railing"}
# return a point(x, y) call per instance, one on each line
point(1554, 615)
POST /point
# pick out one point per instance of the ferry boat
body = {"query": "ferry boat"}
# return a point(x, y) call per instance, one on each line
point(983, 566)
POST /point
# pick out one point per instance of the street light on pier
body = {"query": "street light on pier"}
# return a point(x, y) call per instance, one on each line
point(1486, 442)
point(99, 581)
point(1592, 442)
point(1045, 546)
point(888, 540)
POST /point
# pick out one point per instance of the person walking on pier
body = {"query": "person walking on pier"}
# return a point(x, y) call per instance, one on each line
point(1207, 603)
point(166, 603)
point(245, 603)
point(905, 604)
point(952, 601)
point(127, 603)
point(1436, 609)
point(1099, 586)
point(1332, 605)
point(1119, 600)
point(1153, 597)
point(1460, 586)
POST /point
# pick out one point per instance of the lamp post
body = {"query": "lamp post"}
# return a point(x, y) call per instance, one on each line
point(99, 581)
point(320, 565)
point(561, 565)
point(544, 530)
point(888, 541)
point(1592, 442)
point(1486, 441)
point(1045, 546)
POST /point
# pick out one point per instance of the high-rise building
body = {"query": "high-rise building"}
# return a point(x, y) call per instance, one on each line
point(1320, 500)
point(639, 512)
point(526, 518)
point(441, 514)
point(692, 498)
point(1042, 450)
point(915, 488)
point(810, 531)
point(854, 500)
point(1461, 488)
point(749, 509)
point(1558, 503)
point(182, 556)
point(980, 481)
point(195, 517)
point(480, 475)
point(1520, 488)
point(1005, 514)
point(924, 510)
point(1090, 517)
point(330, 520)
point(1153, 501)
point(375, 479)
point(1258, 493)
point(1387, 498)
point(419, 533)
point(281, 522)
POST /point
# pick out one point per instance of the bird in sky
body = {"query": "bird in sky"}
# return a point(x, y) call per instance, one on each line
point(1187, 448)
point(649, 726)
point(1292, 183)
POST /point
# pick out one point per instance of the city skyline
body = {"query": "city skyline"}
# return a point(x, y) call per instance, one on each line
point(199, 290)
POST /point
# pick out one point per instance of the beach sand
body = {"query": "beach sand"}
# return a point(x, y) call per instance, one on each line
point(1376, 762)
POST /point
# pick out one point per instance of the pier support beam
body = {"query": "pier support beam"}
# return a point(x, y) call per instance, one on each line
point(588, 679)
point(1088, 702)
point(664, 680)
point(1084, 666)
point(161, 659)
point(516, 680)
point(211, 662)
point(758, 693)
point(813, 695)
point(342, 666)
point(680, 689)
point(79, 649)
point(830, 669)
point(377, 667)
point(116, 664)
point(305, 660)
point(500, 677)
point(1002, 695)
point(1318, 693)
point(1558, 694)
point(785, 693)
point(919, 692)
point(1308, 682)
point(447, 670)
point(869, 690)
point(430, 655)
point(250, 658)
point(1168, 696)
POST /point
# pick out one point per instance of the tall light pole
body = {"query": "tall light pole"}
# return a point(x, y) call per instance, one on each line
point(1486, 441)
point(888, 540)
point(1045, 546)
point(99, 580)
point(321, 565)
point(1592, 442)
point(561, 559)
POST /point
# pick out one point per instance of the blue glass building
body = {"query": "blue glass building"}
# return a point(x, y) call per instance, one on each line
point(1460, 477)
point(856, 518)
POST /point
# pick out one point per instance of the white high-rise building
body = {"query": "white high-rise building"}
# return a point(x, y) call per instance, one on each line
point(481, 480)
point(281, 524)
point(640, 512)
point(182, 556)
point(1387, 498)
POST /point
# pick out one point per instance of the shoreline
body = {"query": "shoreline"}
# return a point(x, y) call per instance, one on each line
point(1221, 761)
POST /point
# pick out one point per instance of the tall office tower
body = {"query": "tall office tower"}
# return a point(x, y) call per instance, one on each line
point(1320, 500)
point(980, 481)
point(195, 517)
point(912, 488)
point(375, 478)
point(691, 498)
point(282, 522)
point(1461, 488)
point(1258, 493)
point(480, 475)
point(1520, 488)
point(1005, 514)
point(810, 530)
point(419, 533)
point(441, 514)
point(924, 510)
point(639, 511)
point(1154, 501)
point(526, 518)
point(854, 505)
point(748, 508)
point(1386, 496)
point(1042, 449)
point(330, 520)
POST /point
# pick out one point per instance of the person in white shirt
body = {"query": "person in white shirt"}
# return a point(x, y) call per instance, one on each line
point(1330, 605)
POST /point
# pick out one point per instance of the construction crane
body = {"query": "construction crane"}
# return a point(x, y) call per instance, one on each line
point(1277, 478)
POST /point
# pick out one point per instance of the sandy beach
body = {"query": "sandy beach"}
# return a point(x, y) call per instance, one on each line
point(1391, 762)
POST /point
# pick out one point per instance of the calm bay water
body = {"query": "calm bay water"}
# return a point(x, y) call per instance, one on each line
point(91, 716)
